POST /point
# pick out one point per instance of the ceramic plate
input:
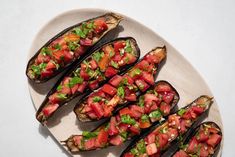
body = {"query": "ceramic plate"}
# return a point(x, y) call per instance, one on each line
point(177, 70)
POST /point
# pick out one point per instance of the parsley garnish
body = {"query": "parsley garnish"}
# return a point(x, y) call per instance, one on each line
point(121, 92)
point(127, 119)
point(96, 99)
point(155, 114)
point(181, 112)
point(45, 51)
point(128, 47)
point(75, 80)
point(114, 64)
point(98, 55)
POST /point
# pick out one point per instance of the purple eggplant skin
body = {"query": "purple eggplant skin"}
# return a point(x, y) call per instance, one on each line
point(193, 133)
point(69, 142)
point(87, 90)
point(79, 105)
point(175, 143)
point(117, 18)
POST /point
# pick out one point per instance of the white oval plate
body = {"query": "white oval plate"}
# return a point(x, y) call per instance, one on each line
point(177, 70)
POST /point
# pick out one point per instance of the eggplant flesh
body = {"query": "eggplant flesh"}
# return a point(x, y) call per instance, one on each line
point(174, 141)
point(194, 133)
point(112, 20)
point(83, 117)
point(70, 142)
point(42, 118)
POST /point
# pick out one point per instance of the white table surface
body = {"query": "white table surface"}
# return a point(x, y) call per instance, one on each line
point(203, 31)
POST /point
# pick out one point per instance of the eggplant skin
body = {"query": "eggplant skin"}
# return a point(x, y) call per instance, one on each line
point(42, 119)
point(174, 145)
point(80, 105)
point(194, 131)
point(114, 22)
point(73, 148)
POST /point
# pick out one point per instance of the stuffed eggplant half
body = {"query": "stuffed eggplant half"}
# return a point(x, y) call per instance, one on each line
point(121, 89)
point(203, 142)
point(104, 62)
point(151, 107)
point(162, 138)
point(68, 47)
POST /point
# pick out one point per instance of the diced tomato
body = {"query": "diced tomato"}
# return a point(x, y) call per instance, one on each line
point(181, 153)
point(109, 89)
point(104, 62)
point(93, 64)
point(113, 102)
point(129, 79)
point(128, 155)
point(65, 90)
point(163, 88)
point(172, 133)
point(77, 140)
point(94, 84)
point(107, 110)
point(174, 121)
point(79, 51)
point(124, 111)
point(148, 77)
point(74, 88)
point(137, 108)
point(202, 136)
point(150, 97)
point(198, 110)
point(204, 151)
point(165, 108)
point(92, 115)
point(68, 56)
point(115, 81)
point(50, 66)
point(116, 140)
point(135, 130)
point(129, 57)
point(152, 58)
point(162, 140)
point(168, 97)
point(112, 127)
point(144, 125)
point(123, 127)
point(87, 108)
point(187, 115)
point(213, 130)
point(54, 98)
point(143, 65)
point(182, 126)
point(151, 149)
point(49, 109)
point(59, 55)
point(102, 138)
point(84, 74)
point(42, 59)
point(150, 138)
point(46, 73)
point(82, 86)
point(97, 108)
point(90, 144)
point(110, 71)
point(142, 85)
point(213, 140)
point(118, 46)
point(131, 97)
point(59, 41)
point(100, 26)
point(192, 147)
point(86, 42)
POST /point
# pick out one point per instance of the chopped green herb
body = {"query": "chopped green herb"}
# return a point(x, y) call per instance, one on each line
point(96, 99)
point(125, 81)
point(181, 112)
point(114, 64)
point(88, 134)
point(79, 32)
point(155, 114)
point(42, 66)
point(75, 80)
point(57, 46)
point(144, 118)
point(111, 54)
point(62, 96)
point(36, 69)
point(135, 72)
point(121, 92)
point(128, 47)
point(98, 55)
point(90, 25)
point(126, 60)
point(134, 151)
point(141, 101)
point(59, 88)
point(45, 51)
point(72, 45)
point(124, 135)
point(127, 119)
point(141, 146)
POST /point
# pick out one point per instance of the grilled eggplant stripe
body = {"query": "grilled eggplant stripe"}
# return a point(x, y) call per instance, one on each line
point(106, 61)
point(162, 137)
point(129, 121)
point(203, 142)
point(68, 47)
point(121, 89)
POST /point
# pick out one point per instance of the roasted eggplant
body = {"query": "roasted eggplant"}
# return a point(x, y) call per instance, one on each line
point(163, 138)
point(204, 141)
point(151, 107)
point(69, 47)
point(121, 89)
point(110, 58)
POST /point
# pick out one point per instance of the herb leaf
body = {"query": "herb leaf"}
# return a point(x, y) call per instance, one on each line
point(121, 92)
point(114, 64)
point(155, 114)
point(96, 99)
point(128, 47)
point(75, 80)
point(181, 112)
point(88, 134)
point(127, 119)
